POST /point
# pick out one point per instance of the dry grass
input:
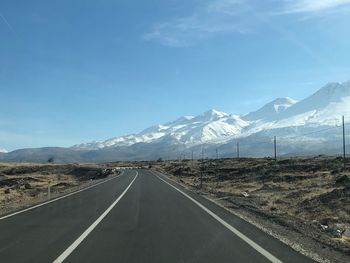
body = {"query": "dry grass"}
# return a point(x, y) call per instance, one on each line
point(24, 184)
point(298, 193)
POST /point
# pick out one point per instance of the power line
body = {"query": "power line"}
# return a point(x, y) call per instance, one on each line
point(310, 133)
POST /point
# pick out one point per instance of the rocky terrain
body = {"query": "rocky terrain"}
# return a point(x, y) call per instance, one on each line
point(305, 202)
point(22, 184)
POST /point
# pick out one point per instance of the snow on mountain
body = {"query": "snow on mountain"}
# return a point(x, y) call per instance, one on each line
point(204, 128)
point(120, 141)
point(3, 151)
point(279, 117)
point(325, 107)
point(309, 126)
point(208, 127)
point(271, 110)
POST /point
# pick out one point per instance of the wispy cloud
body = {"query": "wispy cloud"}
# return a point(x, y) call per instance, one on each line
point(312, 6)
point(291, 38)
point(212, 18)
point(8, 24)
point(230, 7)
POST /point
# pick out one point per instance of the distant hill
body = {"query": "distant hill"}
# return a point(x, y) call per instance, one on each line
point(309, 126)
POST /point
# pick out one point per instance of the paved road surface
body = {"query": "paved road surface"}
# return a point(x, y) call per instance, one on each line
point(139, 216)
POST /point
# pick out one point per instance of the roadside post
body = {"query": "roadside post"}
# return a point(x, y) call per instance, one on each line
point(49, 192)
point(192, 158)
point(275, 147)
point(344, 147)
point(202, 168)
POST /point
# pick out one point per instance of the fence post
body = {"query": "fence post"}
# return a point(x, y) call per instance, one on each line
point(202, 168)
point(344, 147)
point(192, 158)
point(275, 147)
point(49, 192)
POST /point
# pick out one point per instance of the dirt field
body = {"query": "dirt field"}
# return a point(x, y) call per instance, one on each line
point(305, 202)
point(22, 185)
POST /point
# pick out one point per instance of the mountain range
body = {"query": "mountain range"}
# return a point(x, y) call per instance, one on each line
point(308, 126)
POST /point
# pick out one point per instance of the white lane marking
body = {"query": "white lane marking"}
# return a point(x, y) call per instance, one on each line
point(250, 242)
point(58, 198)
point(80, 239)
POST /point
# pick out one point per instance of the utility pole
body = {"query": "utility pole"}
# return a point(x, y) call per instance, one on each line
point(237, 150)
point(217, 154)
point(344, 148)
point(275, 147)
point(202, 168)
point(192, 158)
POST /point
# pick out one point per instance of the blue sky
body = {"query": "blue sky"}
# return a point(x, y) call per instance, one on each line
point(76, 71)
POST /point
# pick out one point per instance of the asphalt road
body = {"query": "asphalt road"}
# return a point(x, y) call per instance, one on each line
point(139, 216)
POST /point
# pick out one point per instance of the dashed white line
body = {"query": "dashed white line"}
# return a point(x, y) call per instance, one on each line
point(80, 239)
point(250, 242)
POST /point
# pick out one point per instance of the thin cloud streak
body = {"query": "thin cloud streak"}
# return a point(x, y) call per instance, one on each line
point(210, 19)
point(233, 16)
point(292, 38)
point(204, 23)
point(312, 6)
point(8, 24)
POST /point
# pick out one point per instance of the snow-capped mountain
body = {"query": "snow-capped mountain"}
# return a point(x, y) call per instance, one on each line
point(308, 126)
point(271, 110)
point(207, 127)
point(3, 151)
point(323, 108)
point(282, 116)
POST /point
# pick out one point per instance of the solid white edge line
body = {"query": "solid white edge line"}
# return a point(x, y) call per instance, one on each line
point(80, 239)
point(58, 198)
point(250, 242)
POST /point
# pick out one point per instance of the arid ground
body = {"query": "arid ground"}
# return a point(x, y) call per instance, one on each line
point(25, 184)
point(303, 201)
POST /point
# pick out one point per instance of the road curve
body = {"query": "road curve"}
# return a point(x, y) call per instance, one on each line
point(140, 216)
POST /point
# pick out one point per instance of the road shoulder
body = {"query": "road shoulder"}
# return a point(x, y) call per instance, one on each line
point(260, 236)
